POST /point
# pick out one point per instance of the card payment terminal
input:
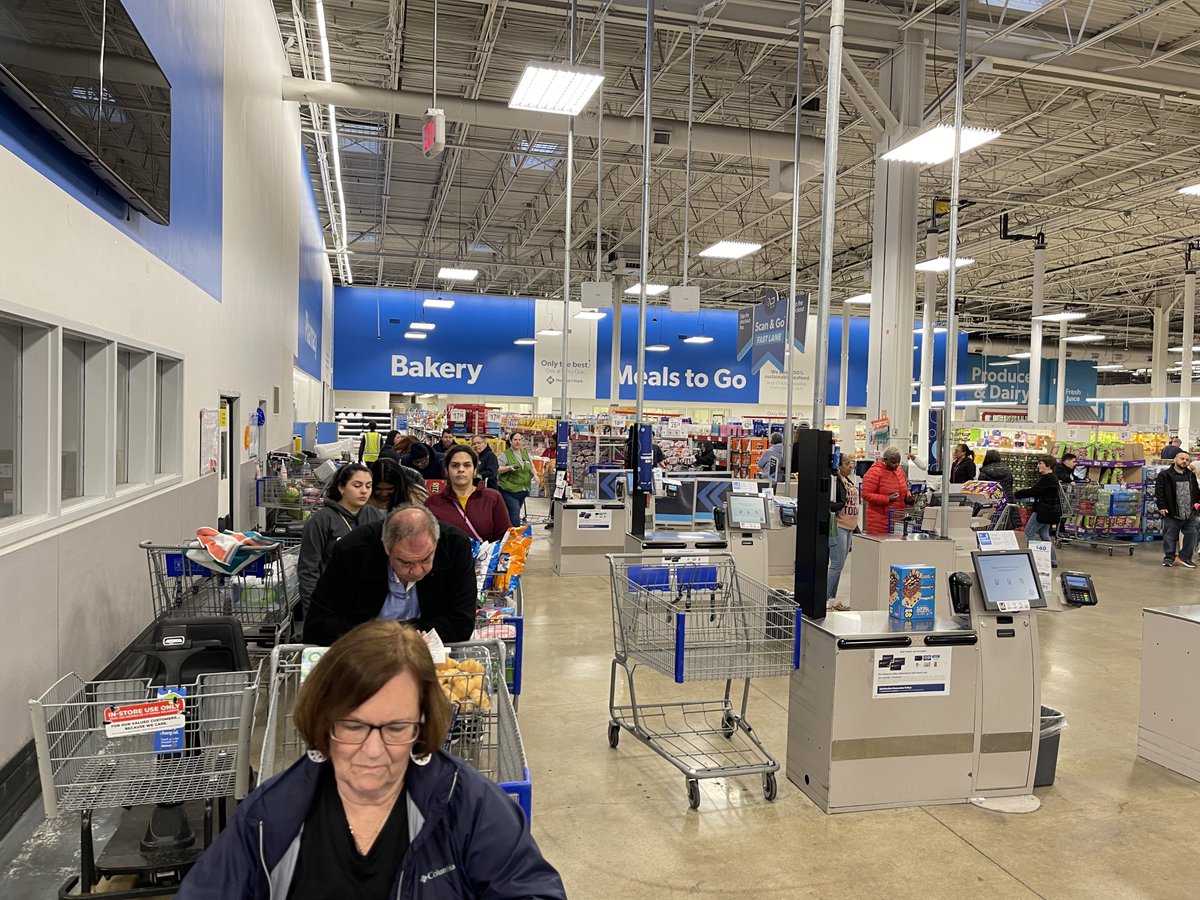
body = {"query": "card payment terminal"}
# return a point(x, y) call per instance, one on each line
point(1078, 589)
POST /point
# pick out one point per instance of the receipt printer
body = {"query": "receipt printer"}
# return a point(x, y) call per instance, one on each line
point(1077, 589)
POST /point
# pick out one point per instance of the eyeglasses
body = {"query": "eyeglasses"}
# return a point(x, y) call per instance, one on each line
point(394, 734)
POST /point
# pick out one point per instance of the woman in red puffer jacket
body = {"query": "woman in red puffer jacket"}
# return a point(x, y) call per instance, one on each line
point(884, 487)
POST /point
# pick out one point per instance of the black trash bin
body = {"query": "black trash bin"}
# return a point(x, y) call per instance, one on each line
point(1053, 722)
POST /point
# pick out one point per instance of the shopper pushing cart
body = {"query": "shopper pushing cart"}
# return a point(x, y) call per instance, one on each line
point(694, 618)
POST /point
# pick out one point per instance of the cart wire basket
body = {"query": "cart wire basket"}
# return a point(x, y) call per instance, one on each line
point(261, 596)
point(484, 729)
point(90, 758)
point(695, 618)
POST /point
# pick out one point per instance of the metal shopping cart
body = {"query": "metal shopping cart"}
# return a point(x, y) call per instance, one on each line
point(261, 596)
point(1101, 518)
point(694, 618)
point(97, 749)
point(286, 495)
point(484, 731)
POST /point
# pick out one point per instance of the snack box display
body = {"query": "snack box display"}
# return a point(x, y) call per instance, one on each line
point(911, 592)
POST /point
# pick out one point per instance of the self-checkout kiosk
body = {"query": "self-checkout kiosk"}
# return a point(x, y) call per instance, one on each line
point(745, 521)
point(584, 531)
point(885, 712)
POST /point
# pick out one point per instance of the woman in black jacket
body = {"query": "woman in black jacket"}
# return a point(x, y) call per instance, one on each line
point(994, 469)
point(1047, 510)
point(489, 465)
point(962, 466)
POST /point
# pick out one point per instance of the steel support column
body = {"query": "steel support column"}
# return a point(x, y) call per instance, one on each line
point(894, 249)
point(1035, 334)
point(1189, 337)
point(1159, 353)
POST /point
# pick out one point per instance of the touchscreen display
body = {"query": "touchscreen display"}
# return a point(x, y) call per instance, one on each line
point(1077, 581)
point(1008, 577)
point(746, 510)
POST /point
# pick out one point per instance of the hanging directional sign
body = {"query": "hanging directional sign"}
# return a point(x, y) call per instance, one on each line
point(762, 329)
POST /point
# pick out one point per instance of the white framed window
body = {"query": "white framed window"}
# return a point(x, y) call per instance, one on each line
point(134, 428)
point(11, 340)
point(168, 418)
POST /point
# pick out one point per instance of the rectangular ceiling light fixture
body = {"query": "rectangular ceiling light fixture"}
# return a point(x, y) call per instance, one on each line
point(730, 249)
point(555, 88)
point(858, 300)
point(550, 332)
point(652, 290)
point(589, 315)
point(415, 335)
point(449, 273)
point(1191, 189)
point(1110, 367)
point(438, 303)
point(1195, 349)
point(937, 145)
point(1084, 338)
point(1003, 362)
point(1024, 354)
point(421, 326)
point(1067, 315)
point(942, 264)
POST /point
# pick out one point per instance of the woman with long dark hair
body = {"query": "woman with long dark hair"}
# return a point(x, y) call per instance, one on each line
point(474, 509)
point(346, 507)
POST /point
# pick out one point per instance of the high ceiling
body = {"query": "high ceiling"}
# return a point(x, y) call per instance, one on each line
point(1098, 102)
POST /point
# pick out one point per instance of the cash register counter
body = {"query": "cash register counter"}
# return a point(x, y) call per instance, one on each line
point(881, 712)
point(584, 531)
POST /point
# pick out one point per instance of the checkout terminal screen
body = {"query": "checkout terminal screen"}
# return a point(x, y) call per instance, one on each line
point(1077, 581)
point(1007, 577)
point(745, 511)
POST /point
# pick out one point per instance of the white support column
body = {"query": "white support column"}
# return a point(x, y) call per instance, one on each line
point(925, 399)
point(1060, 395)
point(1158, 351)
point(894, 249)
point(1035, 334)
point(1189, 336)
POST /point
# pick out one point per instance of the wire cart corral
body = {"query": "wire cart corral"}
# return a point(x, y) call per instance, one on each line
point(260, 596)
point(484, 730)
point(694, 618)
point(83, 769)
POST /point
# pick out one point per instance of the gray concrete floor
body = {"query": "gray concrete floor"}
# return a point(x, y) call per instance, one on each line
point(617, 824)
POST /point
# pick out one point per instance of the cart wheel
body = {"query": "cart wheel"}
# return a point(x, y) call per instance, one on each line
point(614, 735)
point(728, 724)
point(693, 788)
point(770, 788)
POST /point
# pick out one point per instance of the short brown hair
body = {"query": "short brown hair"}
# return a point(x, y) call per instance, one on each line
point(354, 670)
point(1047, 460)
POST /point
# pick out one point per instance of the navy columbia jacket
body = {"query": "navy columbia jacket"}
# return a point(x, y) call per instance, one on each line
point(468, 839)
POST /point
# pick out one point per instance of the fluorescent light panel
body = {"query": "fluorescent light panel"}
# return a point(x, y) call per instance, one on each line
point(450, 273)
point(525, 342)
point(415, 335)
point(657, 348)
point(438, 303)
point(1066, 315)
point(421, 326)
point(1024, 354)
point(698, 339)
point(550, 332)
point(942, 264)
point(1195, 349)
point(937, 145)
point(1084, 338)
point(589, 315)
point(858, 300)
point(1191, 189)
point(652, 290)
point(1110, 367)
point(730, 249)
point(1004, 362)
point(554, 88)
point(335, 142)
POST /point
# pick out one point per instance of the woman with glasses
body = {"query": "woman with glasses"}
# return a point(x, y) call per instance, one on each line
point(375, 809)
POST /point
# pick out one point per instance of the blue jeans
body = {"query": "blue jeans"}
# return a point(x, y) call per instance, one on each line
point(513, 500)
point(1042, 531)
point(1171, 527)
point(839, 549)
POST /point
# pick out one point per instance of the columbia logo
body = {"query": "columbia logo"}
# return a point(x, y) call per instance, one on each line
point(437, 873)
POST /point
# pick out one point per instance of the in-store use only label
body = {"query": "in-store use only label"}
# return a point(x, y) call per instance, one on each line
point(144, 718)
point(911, 673)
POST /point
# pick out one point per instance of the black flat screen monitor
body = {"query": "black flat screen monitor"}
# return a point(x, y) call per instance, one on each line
point(114, 112)
point(1007, 576)
point(746, 512)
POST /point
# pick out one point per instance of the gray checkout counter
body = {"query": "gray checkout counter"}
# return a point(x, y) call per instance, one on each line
point(584, 531)
point(885, 713)
point(1169, 724)
point(655, 541)
point(873, 555)
point(781, 536)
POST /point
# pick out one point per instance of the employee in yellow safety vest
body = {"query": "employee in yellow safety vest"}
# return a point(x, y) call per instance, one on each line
point(370, 445)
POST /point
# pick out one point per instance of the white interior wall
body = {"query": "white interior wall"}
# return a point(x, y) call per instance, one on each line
point(76, 595)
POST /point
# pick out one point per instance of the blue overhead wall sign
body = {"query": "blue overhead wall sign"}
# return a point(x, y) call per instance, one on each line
point(188, 42)
point(470, 351)
point(762, 329)
point(1011, 383)
point(709, 373)
point(311, 287)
